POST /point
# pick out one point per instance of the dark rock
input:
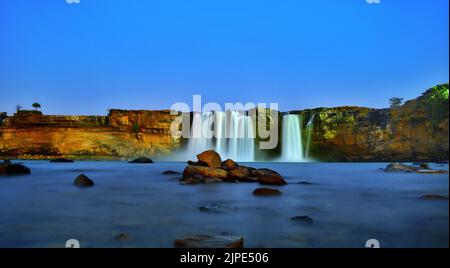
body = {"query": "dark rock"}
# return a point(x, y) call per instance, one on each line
point(305, 183)
point(211, 158)
point(142, 160)
point(208, 241)
point(122, 237)
point(170, 172)
point(271, 180)
point(61, 160)
point(303, 219)
point(229, 164)
point(192, 163)
point(266, 192)
point(433, 197)
point(422, 165)
point(14, 170)
point(83, 181)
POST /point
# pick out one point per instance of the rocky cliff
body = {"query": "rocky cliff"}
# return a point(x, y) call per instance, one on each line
point(415, 131)
point(120, 134)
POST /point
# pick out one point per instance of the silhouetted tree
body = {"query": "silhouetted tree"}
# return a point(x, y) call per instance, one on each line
point(36, 105)
point(395, 102)
point(18, 107)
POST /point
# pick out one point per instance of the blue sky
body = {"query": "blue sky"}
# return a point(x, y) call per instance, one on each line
point(99, 54)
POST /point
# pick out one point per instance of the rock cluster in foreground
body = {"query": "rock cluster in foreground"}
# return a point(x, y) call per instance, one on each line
point(211, 168)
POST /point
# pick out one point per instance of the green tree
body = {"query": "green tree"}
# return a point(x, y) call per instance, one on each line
point(36, 105)
point(395, 102)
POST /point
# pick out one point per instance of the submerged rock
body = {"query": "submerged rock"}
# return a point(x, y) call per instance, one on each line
point(303, 219)
point(211, 158)
point(305, 183)
point(83, 181)
point(422, 165)
point(142, 160)
point(7, 168)
point(271, 180)
point(266, 192)
point(433, 197)
point(423, 169)
point(399, 167)
point(61, 160)
point(208, 241)
point(122, 237)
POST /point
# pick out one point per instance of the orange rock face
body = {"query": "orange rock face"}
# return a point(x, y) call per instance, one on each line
point(121, 134)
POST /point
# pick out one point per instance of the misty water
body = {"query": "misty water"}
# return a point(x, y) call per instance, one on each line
point(349, 202)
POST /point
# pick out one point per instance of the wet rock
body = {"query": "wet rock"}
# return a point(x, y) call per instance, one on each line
point(305, 183)
point(266, 192)
point(212, 180)
point(433, 197)
point(229, 165)
point(206, 172)
point(83, 181)
point(13, 169)
point(265, 172)
point(211, 158)
point(239, 174)
point(208, 241)
point(171, 172)
point(122, 237)
point(271, 180)
point(399, 167)
point(61, 160)
point(303, 220)
point(142, 160)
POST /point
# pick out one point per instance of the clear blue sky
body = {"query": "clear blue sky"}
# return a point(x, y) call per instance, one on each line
point(88, 57)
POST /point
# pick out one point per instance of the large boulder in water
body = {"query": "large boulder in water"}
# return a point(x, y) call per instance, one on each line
point(211, 158)
point(240, 174)
point(208, 241)
point(142, 160)
point(83, 181)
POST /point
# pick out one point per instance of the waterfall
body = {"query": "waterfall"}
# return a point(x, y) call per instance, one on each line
point(309, 129)
point(291, 147)
point(200, 133)
point(230, 133)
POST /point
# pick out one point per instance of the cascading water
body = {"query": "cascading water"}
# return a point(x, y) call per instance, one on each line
point(291, 147)
point(230, 133)
point(309, 129)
